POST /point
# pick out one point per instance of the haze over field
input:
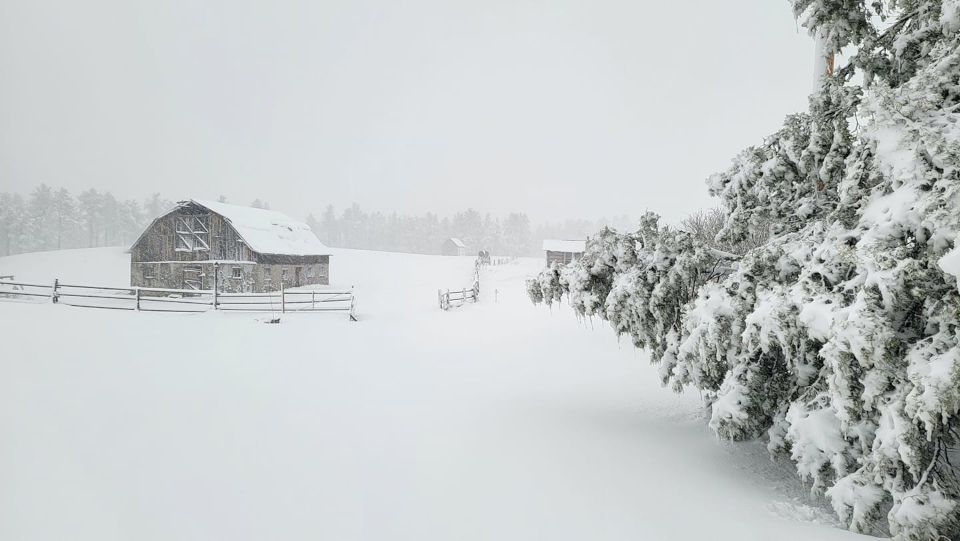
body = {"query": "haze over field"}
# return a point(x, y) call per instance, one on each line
point(558, 109)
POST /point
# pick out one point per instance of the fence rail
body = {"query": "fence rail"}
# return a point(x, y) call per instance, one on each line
point(153, 299)
point(449, 299)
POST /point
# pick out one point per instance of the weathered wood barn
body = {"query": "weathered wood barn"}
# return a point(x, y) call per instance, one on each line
point(257, 250)
point(564, 251)
point(453, 246)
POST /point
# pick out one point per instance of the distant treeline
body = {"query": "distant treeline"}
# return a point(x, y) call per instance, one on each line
point(512, 235)
point(53, 219)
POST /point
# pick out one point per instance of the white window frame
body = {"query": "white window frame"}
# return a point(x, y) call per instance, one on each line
point(237, 273)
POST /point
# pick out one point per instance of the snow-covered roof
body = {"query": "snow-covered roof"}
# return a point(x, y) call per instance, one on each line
point(571, 246)
point(268, 231)
point(459, 243)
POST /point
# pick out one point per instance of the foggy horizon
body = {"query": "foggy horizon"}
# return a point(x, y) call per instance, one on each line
point(260, 202)
point(560, 111)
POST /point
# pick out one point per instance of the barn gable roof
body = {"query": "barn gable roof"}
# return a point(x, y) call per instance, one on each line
point(268, 231)
point(567, 246)
point(263, 231)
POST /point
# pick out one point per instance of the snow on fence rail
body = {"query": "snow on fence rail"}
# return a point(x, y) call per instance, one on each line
point(448, 298)
point(152, 299)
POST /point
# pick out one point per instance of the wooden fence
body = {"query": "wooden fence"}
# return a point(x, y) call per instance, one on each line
point(449, 299)
point(151, 299)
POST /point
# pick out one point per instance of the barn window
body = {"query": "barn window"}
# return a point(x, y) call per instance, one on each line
point(148, 272)
point(284, 274)
point(193, 234)
point(311, 272)
point(238, 272)
point(267, 274)
point(323, 271)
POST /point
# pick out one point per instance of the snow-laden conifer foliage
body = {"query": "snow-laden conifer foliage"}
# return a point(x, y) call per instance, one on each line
point(837, 339)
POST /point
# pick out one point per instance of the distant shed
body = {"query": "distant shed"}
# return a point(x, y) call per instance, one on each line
point(257, 250)
point(453, 246)
point(564, 251)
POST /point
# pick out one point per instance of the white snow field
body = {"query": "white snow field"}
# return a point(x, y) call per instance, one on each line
point(494, 421)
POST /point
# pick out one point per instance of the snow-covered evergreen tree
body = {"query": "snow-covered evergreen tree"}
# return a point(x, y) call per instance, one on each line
point(839, 338)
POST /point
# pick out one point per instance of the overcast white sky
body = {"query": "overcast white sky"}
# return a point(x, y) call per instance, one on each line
point(557, 108)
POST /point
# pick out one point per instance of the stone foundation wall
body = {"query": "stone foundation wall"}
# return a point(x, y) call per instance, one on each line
point(239, 277)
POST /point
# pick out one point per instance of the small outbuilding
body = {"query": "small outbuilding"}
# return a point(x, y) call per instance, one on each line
point(256, 250)
point(564, 251)
point(453, 246)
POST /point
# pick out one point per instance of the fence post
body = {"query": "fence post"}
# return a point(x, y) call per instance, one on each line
point(313, 299)
point(353, 300)
point(463, 296)
point(283, 299)
point(137, 289)
point(54, 295)
point(216, 288)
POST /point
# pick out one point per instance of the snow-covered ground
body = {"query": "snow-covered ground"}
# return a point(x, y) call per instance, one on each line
point(494, 421)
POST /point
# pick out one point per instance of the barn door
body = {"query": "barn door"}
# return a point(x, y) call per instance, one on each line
point(298, 276)
point(193, 277)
